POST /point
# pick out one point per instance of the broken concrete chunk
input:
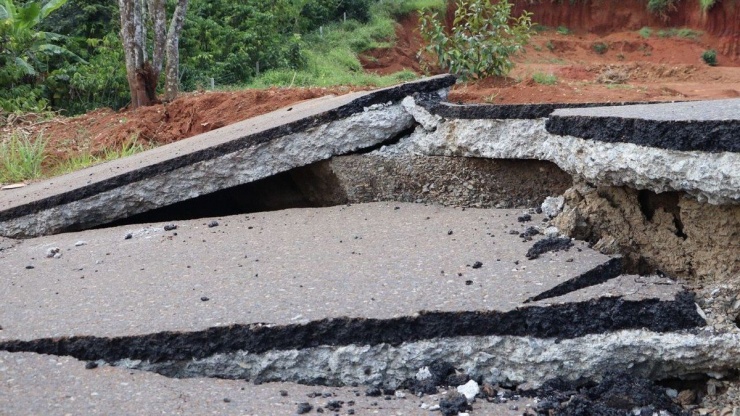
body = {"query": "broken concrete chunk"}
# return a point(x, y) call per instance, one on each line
point(553, 205)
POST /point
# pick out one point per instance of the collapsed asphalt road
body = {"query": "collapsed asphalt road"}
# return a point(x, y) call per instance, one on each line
point(394, 288)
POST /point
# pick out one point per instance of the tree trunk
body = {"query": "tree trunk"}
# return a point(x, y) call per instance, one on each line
point(142, 74)
point(172, 82)
point(158, 17)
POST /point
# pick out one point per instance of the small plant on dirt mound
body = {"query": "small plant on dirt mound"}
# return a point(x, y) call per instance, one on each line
point(544, 79)
point(600, 47)
point(481, 41)
point(710, 57)
point(612, 75)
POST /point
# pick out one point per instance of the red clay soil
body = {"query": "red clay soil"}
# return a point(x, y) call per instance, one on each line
point(188, 115)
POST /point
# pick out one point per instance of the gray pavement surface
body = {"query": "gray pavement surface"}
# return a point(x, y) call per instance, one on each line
point(33, 384)
point(708, 126)
point(715, 110)
point(378, 260)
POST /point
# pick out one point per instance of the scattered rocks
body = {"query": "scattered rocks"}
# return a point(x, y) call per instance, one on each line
point(453, 403)
point(529, 233)
point(524, 218)
point(54, 252)
point(553, 205)
point(548, 244)
point(469, 390)
point(213, 224)
point(375, 392)
point(91, 365)
point(170, 227)
point(29, 267)
point(80, 243)
point(618, 393)
point(128, 236)
point(477, 265)
point(204, 299)
point(303, 408)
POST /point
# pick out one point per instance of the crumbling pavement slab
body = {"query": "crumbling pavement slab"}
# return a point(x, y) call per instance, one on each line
point(709, 126)
point(375, 260)
point(362, 274)
point(233, 155)
point(42, 384)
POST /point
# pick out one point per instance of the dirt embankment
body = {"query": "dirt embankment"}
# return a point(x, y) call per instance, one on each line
point(721, 21)
point(670, 231)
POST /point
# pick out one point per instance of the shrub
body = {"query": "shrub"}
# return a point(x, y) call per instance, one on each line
point(710, 57)
point(661, 7)
point(645, 32)
point(600, 47)
point(483, 38)
point(563, 30)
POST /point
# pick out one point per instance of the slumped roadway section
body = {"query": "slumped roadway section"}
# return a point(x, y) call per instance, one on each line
point(241, 153)
point(364, 274)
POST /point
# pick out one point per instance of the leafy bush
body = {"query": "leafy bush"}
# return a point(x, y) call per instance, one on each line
point(645, 32)
point(563, 30)
point(544, 79)
point(661, 7)
point(483, 38)
point(600, 47)
point(710, 57)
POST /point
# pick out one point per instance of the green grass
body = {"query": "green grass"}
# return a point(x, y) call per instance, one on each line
point(332, 59)
point(544, 79)
point(21, 157)
point(563, 30)
point(645, 32)
point(86, 158)
point(685, 33)
point(401, 8)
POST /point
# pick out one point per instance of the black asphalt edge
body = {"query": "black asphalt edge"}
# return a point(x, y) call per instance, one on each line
point(503, 112)
point(393, 94)
point(560, 321)
point(684, 135)
point(599, 274)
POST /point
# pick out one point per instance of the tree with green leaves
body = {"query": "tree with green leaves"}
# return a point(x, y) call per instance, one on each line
point(481, 41)
point(25, 52)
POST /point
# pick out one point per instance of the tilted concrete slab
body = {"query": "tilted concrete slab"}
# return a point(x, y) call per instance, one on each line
point(708, 126)
point(361, 274)
point(709, 176)
point(237, 154)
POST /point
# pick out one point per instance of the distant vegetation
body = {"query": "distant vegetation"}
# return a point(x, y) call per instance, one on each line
point(69, 56)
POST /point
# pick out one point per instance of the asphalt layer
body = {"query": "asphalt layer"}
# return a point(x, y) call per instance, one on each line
point(379, 261)
point(39, 196)
point(33, 384)
point(710, 126)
